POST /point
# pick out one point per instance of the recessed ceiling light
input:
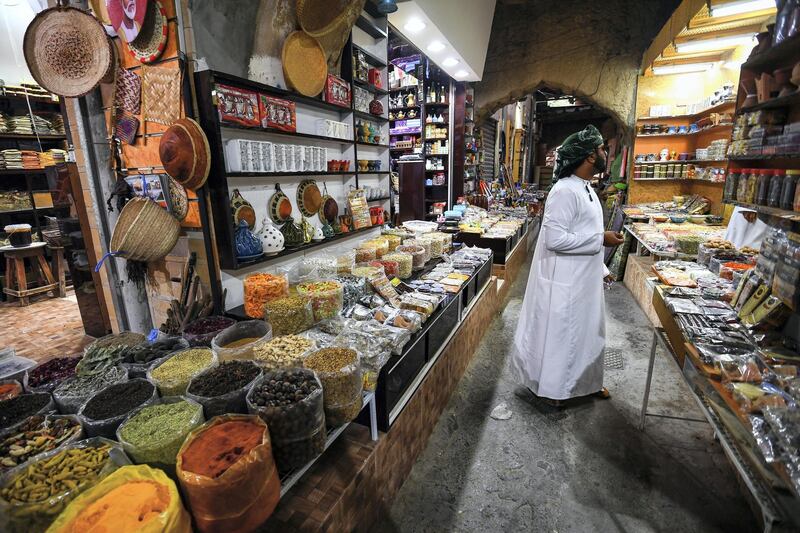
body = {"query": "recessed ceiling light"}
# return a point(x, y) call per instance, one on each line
point(435, 46)
point(414, 25)
point(450, 62)
point(718, 43)
point(462, 74)
point(741, 6)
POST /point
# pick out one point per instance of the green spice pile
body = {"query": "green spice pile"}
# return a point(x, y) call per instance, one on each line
point(156, 432)
point(37, 435)
point(21, 407)
point(173, 375)
point(65, 471)
point(341, 379)
point(75, 390)
point(148, 352)
point(227, 377)
point(107, 352)
point(118, 399)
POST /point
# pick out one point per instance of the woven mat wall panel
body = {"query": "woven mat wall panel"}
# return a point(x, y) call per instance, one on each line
point(161, 93)
point(128, 92)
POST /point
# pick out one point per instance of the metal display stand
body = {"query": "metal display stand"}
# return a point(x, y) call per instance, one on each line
point(779, 511)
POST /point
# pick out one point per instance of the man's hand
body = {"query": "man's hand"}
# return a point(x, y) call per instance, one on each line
point(610, 278)
point(612, 238)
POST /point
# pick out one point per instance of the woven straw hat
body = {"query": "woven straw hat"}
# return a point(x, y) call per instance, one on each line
point(185, 153)
point(144, 231)
point(152, 39)
point(304, 64)
point(67, 51)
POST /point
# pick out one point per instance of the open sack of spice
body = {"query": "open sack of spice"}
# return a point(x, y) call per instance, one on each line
point(138, 358)
point(227, 474)
point(48, 375)
point(290, 403)
point(104, 411)
point(173, 373)
point(38, 434)
point(34, 494)
point(153, 434)
point(339, 371)
point(241, 340)
point(14, 411)
point(71, 393)
point(133, 498)
point(222, 389)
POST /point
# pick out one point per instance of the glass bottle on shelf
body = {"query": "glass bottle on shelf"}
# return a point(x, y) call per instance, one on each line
point(752, 186)
point(790, 182)
point(443, 95)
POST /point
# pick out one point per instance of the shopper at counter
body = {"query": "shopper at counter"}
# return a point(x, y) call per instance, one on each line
point(559, 343)
point(744, 228)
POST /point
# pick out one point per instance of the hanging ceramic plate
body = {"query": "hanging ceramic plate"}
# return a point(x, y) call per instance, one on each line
point(280, 208)
point(328, 209)
point(309, 198)
point(242, 210)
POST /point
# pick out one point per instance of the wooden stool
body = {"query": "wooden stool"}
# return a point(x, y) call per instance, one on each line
point(15, 271)
point(59, 269)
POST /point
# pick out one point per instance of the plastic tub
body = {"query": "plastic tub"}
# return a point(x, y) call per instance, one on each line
point(289, 315)
point(260, 288)
point(417, 255)
point(405, 263)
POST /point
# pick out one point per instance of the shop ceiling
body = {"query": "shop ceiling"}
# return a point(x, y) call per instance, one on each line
point(454, 34)
point(704, 32)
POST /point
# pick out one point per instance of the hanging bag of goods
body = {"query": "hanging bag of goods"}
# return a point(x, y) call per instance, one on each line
point(133, 498)
point(227, 474)
point(67, 51)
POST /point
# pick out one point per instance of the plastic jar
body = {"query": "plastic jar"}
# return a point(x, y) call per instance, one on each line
point(417, 255)
point(365, 254)
point(775, 187)
point(393, 240)
point(742, 184)
point(731, 184)
point(405, 263)
point(326, 298)
point(790, 181)
point(752, 186)
point(762, 193)
point(238, 341)
point(260, 288)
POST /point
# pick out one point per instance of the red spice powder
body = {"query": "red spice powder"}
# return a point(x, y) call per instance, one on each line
point(213, 451)
point(9, 390)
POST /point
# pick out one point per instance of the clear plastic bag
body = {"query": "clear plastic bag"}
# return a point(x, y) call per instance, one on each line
point(395, 337)
point(405, 263)
point(297, 430)
point(326, 296)
point(33, 427)
point(284, 352)
point(176, 382)
point(418, 255)
point(9, 388)
point(165, 437)
point(38, 514)
point(384, 287)
point(301, 272)
point(71, 393)
point(241, 498)
point(326, 265)
point(353, 289)
point(107, 427)
point(341, 387)
point(289, 316)
point(63, 367)
point(203, 330)
point(239, 340)
point(345, 260)
point(229, 402)
point(260, 288)
point(338, 414)
point(137, 361)
point(173, 519)
point(739, 369)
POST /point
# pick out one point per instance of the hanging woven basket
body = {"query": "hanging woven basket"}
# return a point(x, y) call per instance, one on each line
point(144, 232)
point(329, 22)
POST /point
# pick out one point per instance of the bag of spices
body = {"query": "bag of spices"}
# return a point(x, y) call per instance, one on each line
point(104, 411)
point(37, 435)
point(203, 330)
point(132, 498)
point(107, 352)
point(14, 411)
point(137, 359)
point(222, 389)
point(290, 402)
point(239, 340)
point(283, 352)
point(9, 388)
point(227, 474)
point(71, 393)
point(326, 297)
point(289, 315)
point(153, 434)
point(260, 288)
point(34, 494)
point(48, 375)
point(173, 373)
point(339, 371)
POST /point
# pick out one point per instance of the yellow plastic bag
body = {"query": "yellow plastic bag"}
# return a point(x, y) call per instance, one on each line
point(172, 518)
point(243, 496)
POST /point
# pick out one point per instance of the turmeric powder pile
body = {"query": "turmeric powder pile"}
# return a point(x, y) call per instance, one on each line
point(128, 507)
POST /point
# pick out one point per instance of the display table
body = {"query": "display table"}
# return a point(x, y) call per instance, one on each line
point(16, 276)
point(772, 494)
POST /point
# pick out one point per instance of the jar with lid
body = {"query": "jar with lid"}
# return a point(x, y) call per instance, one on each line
point(796, 203)
point(790, 185)
point(730, 185)
point(762, 192)
point(741, 185)
point(775, 186)
point(752, 186)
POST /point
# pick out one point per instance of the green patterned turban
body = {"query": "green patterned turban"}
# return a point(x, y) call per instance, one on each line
point(575, 149)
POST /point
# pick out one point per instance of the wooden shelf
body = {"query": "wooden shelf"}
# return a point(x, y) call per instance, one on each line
point(371, 58)
point(32, 99)
point(677, 161)
point(404, 108)
point(268, 174)
point(305, 247)
point(406, 88)
point(785, 54)
point(699, 132)
point(763, 157)
point(713, 108)
point(369, 87)
point(437, 104)
point(33, 137)
point(681, 179)
point(370, 28)
point(773, 211)
point(380, 199)
point(269, 131)
point(11, 172)
point(783, 101)
point(375, 172)
point(370, 116)
point(372, 144)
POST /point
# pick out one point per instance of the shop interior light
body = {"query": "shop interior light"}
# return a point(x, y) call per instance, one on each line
point(435, 46)
point(717, 43)
point(462, 74)
point(741, 6)
point(387, 6)
point(414, 25)
point(450, 62)
point(682, 69)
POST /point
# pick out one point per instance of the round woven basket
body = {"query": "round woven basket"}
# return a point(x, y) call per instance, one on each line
point(329, 21)
point(185, 153)
point(304, 65)
point(152, 39)
point(144, 231)
point(67, 51)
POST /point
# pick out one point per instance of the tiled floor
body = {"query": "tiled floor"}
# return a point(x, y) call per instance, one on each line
point(46, 328)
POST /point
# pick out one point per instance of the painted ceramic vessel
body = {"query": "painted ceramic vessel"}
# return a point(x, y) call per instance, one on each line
point(247, 244)
point(271, 237)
